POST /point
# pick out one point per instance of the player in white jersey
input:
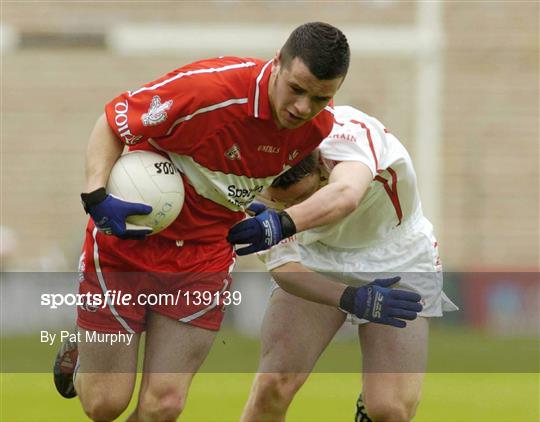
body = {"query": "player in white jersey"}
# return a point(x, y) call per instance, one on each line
point(318, 270)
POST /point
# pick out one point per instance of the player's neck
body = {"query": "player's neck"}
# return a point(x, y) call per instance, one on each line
point(271, 85)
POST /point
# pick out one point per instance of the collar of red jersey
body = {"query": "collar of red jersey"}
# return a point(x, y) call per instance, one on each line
point(259, 103)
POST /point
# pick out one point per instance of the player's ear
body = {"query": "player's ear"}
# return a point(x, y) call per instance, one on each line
point(276, 62)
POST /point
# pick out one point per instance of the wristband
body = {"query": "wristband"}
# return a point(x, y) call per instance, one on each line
point(93, 198)
point(347, 299)
point(288, 228)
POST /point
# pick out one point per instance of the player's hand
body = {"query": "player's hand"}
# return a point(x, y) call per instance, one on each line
point(261, 232)
point(377, 302)
point(109, 214)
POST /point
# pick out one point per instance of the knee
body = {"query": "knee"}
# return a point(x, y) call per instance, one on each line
point(394, 410)
point(102, 407)
point(276, 390)
point(163, 403)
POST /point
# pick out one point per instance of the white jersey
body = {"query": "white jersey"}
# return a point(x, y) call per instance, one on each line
point(391, 200)
point(387, 234)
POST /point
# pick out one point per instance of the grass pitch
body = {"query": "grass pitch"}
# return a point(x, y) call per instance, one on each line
point(325, 398)
point(462, 385)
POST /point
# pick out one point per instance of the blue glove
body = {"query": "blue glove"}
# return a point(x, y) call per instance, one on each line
point(261, 232)
point(255, 208)
point(109, 214)
point(377, 302)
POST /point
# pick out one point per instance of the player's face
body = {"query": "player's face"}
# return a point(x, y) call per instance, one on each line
point(296, 96)
point(296, 193)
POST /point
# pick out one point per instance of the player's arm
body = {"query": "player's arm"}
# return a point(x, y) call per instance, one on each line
point(109, 213)
point(300, 281)
point(347, 184)
point(376, 301)
point(102, 151)
point(135, 117)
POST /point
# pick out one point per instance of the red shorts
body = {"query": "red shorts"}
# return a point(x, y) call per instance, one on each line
point(124, 279)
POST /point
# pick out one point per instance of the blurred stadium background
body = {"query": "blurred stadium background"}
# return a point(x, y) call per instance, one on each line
point(457, 82)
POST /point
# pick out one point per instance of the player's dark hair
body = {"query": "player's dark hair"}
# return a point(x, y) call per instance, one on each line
point(322, 47)
point(308, 165)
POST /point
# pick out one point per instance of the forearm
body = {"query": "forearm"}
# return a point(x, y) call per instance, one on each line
point(102, 152)
point(329, 204)
point(347, 185)
point(297, 280)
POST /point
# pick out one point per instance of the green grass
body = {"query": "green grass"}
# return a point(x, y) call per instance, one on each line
point(451, 350)
point(219, 392)
point(325, 398)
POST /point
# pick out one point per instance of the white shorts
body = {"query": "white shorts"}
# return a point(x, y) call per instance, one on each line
point(411, 253)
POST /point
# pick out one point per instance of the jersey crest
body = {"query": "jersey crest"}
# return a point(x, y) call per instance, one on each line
point(233, 153)
point(157, 113)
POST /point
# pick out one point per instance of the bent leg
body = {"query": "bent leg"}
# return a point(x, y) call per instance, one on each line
point(106, 377)
point(394, 362)
point(294, 334)
point(174, 351)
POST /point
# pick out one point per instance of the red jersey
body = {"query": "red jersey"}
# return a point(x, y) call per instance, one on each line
point(213, 119)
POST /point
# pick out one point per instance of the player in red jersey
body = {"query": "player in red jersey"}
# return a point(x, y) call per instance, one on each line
point(230, 125)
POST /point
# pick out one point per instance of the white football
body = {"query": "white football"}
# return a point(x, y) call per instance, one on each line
point(149, 178)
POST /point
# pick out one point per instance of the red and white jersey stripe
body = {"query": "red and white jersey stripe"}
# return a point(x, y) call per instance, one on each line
point(392, 199)
point(213, 118)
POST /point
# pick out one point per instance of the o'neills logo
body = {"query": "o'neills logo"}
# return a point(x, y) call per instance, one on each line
point(121, 121)
point(270, 149)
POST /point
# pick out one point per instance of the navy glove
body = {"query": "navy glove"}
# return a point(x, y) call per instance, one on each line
point(261, 232)
point(109, 214)
point(378, 303)
point(255, 208)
